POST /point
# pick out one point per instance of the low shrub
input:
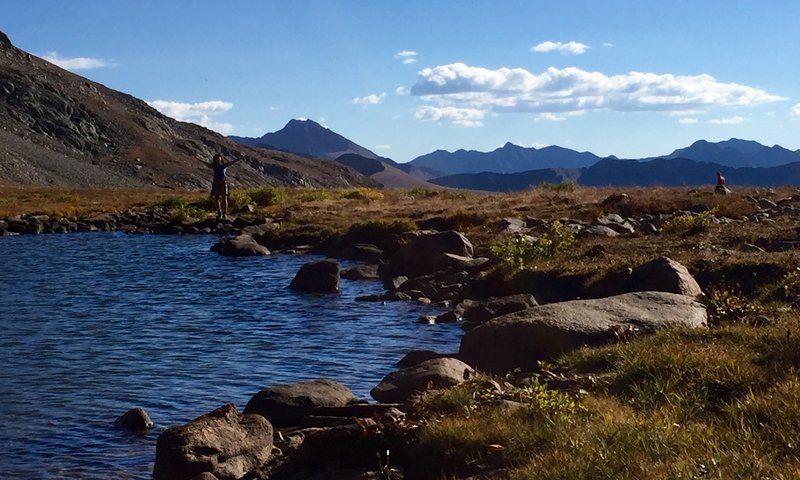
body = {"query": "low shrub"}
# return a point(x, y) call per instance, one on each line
point(690, 224)
point(239, 199)
point(521, 252)
point(727, 304)
point(267, 196)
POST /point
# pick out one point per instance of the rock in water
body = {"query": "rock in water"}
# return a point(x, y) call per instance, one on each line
point(135, 419)
point(317, 277)
point(285, 405)
point(427, 253)
point(222, 442)
point(398, 386)
point(240, 246)
point(521, 339)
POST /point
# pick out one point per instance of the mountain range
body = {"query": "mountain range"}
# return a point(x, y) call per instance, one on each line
point(512, 167)
point(58, 128)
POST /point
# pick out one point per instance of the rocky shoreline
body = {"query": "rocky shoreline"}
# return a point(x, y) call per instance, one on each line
point(319, 429)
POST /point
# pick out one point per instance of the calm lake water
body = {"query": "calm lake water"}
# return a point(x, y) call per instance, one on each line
point(93, 324)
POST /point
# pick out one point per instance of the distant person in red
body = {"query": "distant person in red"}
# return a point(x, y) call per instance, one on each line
point(219, 183)
point(720, 180)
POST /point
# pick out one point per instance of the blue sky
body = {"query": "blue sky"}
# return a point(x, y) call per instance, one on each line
point(629, 78)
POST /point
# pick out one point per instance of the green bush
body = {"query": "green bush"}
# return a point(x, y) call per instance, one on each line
point(691, 223)
point(520, 252)
point(727, 304)
point(239, 199)
point(266, 196)
point(172, 202)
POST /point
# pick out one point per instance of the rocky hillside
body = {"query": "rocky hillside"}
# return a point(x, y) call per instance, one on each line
point(57, 128)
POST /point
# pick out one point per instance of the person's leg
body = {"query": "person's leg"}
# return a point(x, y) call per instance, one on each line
point(218, 200)
point(225, 206)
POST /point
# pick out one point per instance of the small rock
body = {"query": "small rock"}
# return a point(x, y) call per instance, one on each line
point(135, 419)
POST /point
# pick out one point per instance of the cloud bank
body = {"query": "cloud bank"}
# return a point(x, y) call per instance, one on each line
point(199, 113)
point(559, 91)
point(795, 112)
point(76, 63)
point(569, 48)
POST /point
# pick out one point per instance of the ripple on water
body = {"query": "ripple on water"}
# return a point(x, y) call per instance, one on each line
point(94, 324)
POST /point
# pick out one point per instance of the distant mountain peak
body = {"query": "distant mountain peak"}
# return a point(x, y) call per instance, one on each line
point(308, 137)
point(4, 40)
point(736, 152)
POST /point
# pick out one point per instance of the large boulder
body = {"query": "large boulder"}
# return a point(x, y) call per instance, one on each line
point(240, 246)
point(285, 405)
point(398, 386)
point(660, 275)
point(317, 277)
point(427, 253)
point(222, 442)
point(521, 339)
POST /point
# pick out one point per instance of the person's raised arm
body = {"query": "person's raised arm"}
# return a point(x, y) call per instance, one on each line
point(207, 164)
point(233, 161)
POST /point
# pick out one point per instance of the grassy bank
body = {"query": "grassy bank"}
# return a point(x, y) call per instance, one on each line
point(721, 403)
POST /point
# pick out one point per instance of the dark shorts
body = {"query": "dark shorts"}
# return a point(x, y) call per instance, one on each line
point(219, 189)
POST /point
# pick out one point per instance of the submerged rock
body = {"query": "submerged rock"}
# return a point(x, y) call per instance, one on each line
point(135, 419)
point(240, 246)
point(317, 277)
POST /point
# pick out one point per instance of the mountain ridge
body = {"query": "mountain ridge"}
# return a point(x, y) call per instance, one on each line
point(58, 128)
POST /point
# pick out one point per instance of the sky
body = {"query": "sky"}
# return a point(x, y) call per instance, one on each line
point(632, 78)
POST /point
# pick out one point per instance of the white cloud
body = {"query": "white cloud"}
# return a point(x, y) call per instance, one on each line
point(550, 117)
point(383, 147)
point(571, 89)
point(407, 57)
point(459, 117)
point(76, 63)
point(402, 91)
point(688, 121)
point(795, 112)
point(727, 120)
point(608, 44)
point(569, 48)
point(199, 113)
point(373, 99)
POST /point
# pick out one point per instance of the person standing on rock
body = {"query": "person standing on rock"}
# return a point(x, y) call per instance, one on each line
point(219, 183)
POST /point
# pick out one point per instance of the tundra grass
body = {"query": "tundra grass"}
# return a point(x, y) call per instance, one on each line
point(720, 403)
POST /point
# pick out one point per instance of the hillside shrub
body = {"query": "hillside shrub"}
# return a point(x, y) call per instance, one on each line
point(267, 196)
point(689, 224)
point(522, 252)
point(239, 199)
